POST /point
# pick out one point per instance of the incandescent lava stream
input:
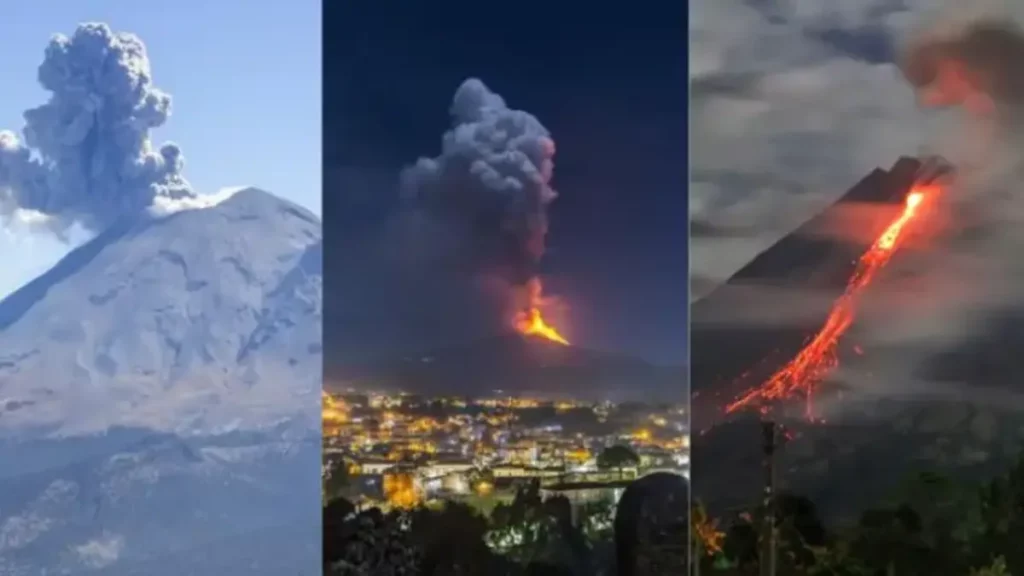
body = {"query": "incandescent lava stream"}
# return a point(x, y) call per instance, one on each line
point(801, 375)
point(530, 322)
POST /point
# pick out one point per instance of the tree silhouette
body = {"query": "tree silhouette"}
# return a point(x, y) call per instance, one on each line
point(336, 480)
point(617, 457)
point(522, 528)
point(652, 526)
point(996, 568)
point(366, 543)
point(452, 542)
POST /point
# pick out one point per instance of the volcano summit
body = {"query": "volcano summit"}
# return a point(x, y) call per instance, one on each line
point(169, 368)
point(184, 323)
point(160, 385)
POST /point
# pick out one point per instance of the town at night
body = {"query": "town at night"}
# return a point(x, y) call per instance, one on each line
point(401, 450)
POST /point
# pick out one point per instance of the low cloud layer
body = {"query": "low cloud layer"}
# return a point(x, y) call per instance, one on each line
point(85, 156)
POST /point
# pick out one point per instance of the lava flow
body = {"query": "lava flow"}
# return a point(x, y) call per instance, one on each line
point(531, 323)
point(804, 372)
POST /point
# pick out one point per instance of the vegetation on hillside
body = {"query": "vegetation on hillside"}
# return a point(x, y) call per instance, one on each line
point(936, 526)
point(529, 535)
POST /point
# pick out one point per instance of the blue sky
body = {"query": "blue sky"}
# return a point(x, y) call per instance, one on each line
point(245, 77)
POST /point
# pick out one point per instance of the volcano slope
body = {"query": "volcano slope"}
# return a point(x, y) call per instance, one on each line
point(739, 339)
point(169, 368)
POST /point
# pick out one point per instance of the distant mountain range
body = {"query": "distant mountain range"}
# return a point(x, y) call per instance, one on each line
point(518, 364)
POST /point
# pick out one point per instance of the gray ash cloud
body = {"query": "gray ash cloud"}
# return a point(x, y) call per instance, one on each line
point(86, 156)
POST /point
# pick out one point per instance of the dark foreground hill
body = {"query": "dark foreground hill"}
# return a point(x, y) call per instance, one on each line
point(516, 364)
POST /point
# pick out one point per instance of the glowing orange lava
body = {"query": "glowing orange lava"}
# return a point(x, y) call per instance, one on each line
point(531, 323)
point(804, 372)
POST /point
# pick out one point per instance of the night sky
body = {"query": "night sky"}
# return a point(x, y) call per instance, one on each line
point(608, 81)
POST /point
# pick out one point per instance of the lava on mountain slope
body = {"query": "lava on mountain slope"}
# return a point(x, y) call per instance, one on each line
point(801, 375)
point(529, 321)
point(742, 364)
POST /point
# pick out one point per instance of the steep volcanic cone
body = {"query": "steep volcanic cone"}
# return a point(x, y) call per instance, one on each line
point(808, 289)
point(801, 375)
point(744, 330)
point(529, 319)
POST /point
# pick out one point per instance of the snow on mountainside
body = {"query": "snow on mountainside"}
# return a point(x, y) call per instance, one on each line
point(197, 322)
point(233, 503)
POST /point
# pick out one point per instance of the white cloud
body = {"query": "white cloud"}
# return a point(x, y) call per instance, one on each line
point(163, 206)
point(100, 552)
point(784, 120)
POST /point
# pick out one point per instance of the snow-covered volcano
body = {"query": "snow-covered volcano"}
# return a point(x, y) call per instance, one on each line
point(190, 323)
point(159, 399)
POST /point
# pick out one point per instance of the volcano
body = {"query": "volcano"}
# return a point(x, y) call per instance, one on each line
point(169, 368)
point(518, 364)
point(856, 459)
point(735, 344)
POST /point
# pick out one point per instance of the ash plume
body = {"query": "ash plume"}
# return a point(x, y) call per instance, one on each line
point(86, 157)
point(493, 178)
point(967, 61)
point(491, 184)
point(450, 254)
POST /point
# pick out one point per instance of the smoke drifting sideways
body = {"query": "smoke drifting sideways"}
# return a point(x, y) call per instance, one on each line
point(87, 158)
point(950, 312)
point(491, 184)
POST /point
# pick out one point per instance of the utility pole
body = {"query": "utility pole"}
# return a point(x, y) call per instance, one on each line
point(697, 553)
point(768, 550)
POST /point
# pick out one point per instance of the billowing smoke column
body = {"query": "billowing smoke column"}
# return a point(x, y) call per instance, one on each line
point(494, 174)
point(87, 157)
point(492, 182)
point(974, 66)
